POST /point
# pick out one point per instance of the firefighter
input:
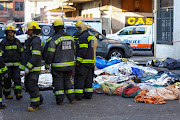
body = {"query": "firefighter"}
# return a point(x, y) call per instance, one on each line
point(84, 62)
point(12, 54)
point(3, 73)
point(60, 55)
point(31, 64)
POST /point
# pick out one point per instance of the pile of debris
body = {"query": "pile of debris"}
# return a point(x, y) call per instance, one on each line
point(144, 84)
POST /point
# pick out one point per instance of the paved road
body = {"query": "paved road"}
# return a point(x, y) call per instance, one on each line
point(100, 107)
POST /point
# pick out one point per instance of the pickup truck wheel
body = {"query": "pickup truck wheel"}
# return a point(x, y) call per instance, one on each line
point(116, 53)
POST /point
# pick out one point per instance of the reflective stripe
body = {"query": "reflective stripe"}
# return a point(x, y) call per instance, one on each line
point(13, 64)
point(49, 39)
point(79, 59)
point(70, 91)
point(64, 38)
point(29, 65)
point(41, 43)
point(78, 90)
point(36, 52)
point(7, 90)
point(53, 88)
point(51, 49)
point(88, 90)
point(1, 100)
point(91, 38)
point(87, 61)
point(83, 45)
point(35, 99)
point(22, 67)
point(11, 47)
point(65, 64)
point(0, 54)
point(22, 49)
point(59, 92)
point(17, 87)
point(1, 71)
point(4, 69)
point(35, 69)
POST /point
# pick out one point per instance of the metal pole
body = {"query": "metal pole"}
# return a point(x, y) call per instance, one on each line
point(62, 12)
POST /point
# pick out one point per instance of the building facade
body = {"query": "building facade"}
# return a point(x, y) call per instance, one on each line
point(116, 14)
point(11, 10)
point(167, 29)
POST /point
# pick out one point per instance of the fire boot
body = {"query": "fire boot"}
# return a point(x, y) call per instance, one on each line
point(31, 109)
point(2, 106)
point(19, 96)
point(9, 97)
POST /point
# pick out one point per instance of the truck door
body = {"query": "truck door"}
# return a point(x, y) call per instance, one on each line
point(126, 35)
point(140, 39)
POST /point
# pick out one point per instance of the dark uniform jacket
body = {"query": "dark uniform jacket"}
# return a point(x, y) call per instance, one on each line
point(44, 54)
point(3, 68)
point(60, 53)
point(11, 52)
point(85, 49)
point(32, 57)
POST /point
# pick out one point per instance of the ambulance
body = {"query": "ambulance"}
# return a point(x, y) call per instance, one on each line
point(139, 36)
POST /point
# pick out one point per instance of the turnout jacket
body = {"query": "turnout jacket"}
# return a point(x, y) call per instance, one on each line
point(32, 57)
point(85, 49)
point(60, 53)
point(11, 52)
point(3, 68)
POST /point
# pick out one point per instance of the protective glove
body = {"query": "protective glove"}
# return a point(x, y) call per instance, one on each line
point(26, 71)
point(47, 66)
point(6, 75)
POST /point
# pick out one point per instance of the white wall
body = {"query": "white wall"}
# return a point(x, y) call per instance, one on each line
point(30, 8)
point(176, 46)
point(173, 51)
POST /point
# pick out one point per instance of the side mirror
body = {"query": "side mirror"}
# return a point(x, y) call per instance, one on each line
point(104, 32)
point(100, 37)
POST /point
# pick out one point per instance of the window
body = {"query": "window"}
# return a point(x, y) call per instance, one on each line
point(127, 31)
point(140, 30)
point(71, 30)
point(165, 22)
point(7, 6)
point(1, 6)
point(19, 6)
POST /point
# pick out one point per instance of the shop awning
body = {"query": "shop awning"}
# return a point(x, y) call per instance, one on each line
point(66, 8)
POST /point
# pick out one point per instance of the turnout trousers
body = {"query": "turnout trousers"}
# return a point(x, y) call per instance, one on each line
point(13, 76)
point(62, 85)
point(31, 84)
point(1, 90)
point(83, 82)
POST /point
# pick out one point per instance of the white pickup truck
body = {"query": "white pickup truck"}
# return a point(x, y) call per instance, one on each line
point(140, 37)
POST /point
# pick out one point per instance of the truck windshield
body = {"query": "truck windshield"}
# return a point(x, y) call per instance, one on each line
point(2, 32)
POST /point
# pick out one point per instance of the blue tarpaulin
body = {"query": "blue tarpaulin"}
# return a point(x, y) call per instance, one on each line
point(102, 63)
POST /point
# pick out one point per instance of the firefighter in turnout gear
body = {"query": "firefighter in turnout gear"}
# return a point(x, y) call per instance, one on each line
point(60, 55)
point(3, 73)
point(31, 64)
point(12, 54)
point(84, 62)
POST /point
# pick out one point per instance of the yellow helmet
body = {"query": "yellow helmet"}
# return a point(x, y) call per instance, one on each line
point(10, 28)
point(57, 23)
point(33, 25)
point(78, 22)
